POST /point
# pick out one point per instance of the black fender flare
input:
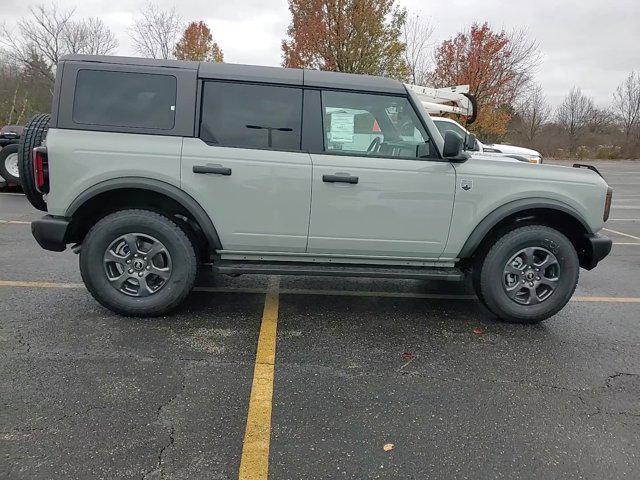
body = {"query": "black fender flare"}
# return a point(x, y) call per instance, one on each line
point(158, 186)
point(511, 208)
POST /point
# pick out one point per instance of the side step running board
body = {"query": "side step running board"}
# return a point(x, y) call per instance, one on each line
point(420, 273)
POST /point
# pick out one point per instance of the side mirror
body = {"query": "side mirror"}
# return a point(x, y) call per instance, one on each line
point(453, 146)
point(472, 143)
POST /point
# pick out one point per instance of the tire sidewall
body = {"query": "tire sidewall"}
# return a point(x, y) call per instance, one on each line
point(109, 229)
point(491, 278)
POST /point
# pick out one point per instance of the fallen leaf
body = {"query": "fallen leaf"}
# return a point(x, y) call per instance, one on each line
point(407, 355)
point(388, 446)
point(478, 331)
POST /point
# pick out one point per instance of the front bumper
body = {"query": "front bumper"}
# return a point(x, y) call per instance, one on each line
point(51, 232)
point(596, 248)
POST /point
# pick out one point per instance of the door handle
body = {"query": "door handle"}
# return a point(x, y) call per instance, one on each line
point(340, 179)
point(215, 169)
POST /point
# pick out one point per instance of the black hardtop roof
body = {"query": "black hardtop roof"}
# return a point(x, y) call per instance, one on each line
point(144, 62)
point(262, 74)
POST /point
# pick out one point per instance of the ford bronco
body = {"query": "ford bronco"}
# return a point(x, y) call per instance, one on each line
point(153, 169)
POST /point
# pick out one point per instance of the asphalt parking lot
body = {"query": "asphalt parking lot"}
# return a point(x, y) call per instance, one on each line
point(317, 378)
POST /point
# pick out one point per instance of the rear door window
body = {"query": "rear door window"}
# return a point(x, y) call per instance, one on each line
point(251, 116)
point(125, 99)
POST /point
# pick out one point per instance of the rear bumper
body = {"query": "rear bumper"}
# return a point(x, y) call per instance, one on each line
point(51, 233)
point(596, 248)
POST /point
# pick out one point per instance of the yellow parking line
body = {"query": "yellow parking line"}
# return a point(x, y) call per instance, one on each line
point(364, 293)
point(607, 299)
point(622, 233)
point(21, 283)
point(14, 222)
point(254, 464)
point(328, 293)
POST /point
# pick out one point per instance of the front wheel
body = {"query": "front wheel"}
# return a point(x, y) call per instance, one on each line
point(138, 263)
point(529, 274)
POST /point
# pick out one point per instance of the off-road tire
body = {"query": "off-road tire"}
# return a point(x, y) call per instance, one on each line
point(177, 243)
point(33, 135)
point(11, 149)
point(492, 273)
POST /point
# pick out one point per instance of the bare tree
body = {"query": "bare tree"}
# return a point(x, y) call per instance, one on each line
point(49, 32)
point(524, 59)
point(416, 33)
point(626, 101)
point(156, 31)
point(600, 120)
point(534, 112)
point(40, 36)
point(23, 90)
point(90, 37)
point(574, 115)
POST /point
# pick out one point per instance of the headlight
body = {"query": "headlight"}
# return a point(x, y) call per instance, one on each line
point(534, 159)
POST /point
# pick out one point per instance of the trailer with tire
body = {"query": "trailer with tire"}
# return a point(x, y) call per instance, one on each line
point(9, 145)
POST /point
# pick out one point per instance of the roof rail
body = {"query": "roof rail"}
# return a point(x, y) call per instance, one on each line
point(456, 100)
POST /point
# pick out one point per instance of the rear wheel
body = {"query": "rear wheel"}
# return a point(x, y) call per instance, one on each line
point(33, 135)
point(9, 164)
point(138, 263)
point(529, 274)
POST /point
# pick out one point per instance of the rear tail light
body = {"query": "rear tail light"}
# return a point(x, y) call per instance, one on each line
point(41, 169)
point(607, 204)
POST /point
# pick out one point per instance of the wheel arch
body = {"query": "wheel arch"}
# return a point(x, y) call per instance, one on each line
point(548, 212)
point(130, 192)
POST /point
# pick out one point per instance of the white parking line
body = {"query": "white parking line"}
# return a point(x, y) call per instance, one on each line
point(621, 233)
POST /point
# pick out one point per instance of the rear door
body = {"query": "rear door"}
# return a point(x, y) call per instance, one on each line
point(247, 169)
point(372, 193)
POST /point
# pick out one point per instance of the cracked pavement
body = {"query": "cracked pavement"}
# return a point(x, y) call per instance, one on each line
point(88, 394)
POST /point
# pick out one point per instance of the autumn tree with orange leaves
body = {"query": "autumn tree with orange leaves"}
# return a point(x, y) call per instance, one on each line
point(497, 66)
point(197, 44)
point(353, 36)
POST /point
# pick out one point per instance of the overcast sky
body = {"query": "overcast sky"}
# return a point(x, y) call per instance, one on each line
point(592, 44)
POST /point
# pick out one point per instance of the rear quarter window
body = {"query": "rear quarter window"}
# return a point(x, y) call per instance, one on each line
point(125, 99)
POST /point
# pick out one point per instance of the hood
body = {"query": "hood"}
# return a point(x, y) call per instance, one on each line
point(494, 158)
point(511, 149)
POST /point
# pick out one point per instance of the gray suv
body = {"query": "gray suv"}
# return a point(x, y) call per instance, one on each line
point(156, 168)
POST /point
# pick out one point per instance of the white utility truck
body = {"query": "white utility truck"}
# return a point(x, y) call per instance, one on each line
point(458, 100)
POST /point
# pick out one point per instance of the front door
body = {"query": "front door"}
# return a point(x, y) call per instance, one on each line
point(247, 170)
point(372, 195)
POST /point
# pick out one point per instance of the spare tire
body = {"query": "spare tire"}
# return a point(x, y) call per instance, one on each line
point(9, 163)
point(33, 135)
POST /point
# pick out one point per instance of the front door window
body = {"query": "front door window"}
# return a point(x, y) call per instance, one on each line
point(372, 125)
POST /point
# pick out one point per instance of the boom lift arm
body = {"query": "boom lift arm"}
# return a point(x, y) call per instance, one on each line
point(456, 100)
